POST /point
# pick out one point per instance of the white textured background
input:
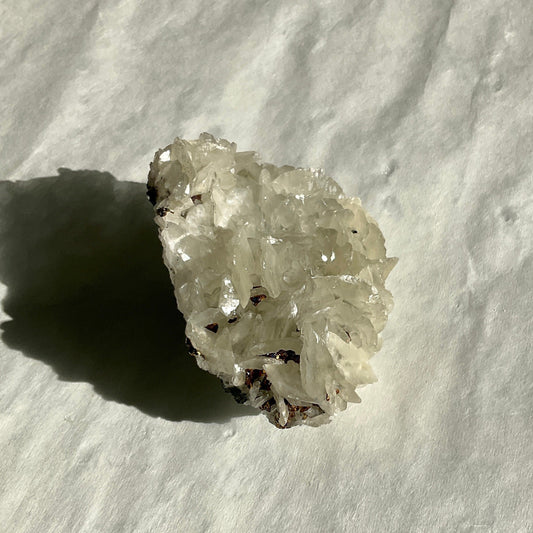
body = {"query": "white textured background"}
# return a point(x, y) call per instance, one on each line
point(422, 108)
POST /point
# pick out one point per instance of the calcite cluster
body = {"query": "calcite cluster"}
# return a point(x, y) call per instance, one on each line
point(279, 275)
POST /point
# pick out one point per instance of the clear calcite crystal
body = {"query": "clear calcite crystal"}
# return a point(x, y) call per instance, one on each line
point(279, 275)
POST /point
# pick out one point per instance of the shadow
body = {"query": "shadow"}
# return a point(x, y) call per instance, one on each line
point(89, 295)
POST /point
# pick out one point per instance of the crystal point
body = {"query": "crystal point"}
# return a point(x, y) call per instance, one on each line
point(279, 275)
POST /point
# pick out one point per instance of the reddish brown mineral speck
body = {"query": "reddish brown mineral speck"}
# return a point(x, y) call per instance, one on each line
point(253, 375)
point(258, 298)
point(212, 327)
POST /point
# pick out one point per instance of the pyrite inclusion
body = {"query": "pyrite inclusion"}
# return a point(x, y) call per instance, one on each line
point(279, 275)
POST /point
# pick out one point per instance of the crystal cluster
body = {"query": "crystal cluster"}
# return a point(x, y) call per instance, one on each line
point(279, 275)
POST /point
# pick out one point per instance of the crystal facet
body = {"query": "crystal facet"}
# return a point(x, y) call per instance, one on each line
point(279, 275)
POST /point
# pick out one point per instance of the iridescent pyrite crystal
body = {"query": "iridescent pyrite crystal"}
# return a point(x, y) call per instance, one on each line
point(279, 275)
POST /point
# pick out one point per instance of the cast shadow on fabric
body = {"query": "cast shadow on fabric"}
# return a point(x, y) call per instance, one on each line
point(88, 295)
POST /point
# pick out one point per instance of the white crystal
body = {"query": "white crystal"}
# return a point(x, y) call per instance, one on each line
point(279, 275)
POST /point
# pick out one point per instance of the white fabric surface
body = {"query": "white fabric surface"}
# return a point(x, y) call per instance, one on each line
point(422, 108)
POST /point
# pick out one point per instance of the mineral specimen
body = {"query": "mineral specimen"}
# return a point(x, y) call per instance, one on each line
point(279, 275)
